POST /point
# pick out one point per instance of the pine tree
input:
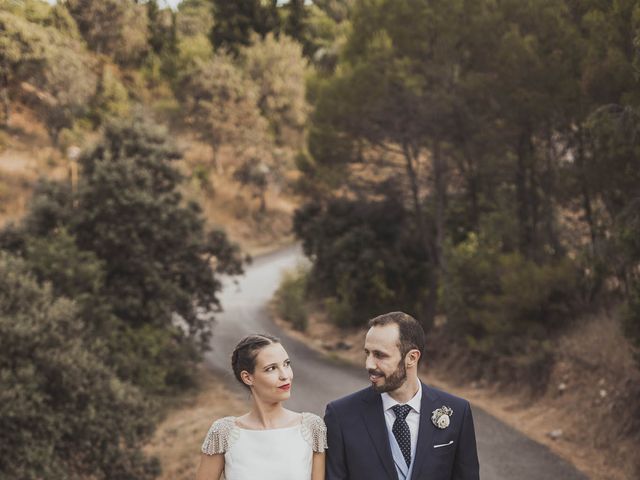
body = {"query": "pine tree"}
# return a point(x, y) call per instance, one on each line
point(235, 22)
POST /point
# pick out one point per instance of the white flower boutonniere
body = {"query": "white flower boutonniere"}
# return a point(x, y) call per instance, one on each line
point(441, 417)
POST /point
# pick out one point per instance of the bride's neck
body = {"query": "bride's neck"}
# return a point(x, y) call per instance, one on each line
point(268, 415)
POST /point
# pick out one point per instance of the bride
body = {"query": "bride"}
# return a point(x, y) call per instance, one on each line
point(269, 442)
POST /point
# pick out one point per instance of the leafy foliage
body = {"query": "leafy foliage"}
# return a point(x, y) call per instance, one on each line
point(150, 260)
point(511, 129)
point(277, 67)
point(291, 298)
point(63, 412)
point(117, 28)
point(54, 67)
point(366, 256)
point(236, 22)
point(222, 103)
point(494, 299)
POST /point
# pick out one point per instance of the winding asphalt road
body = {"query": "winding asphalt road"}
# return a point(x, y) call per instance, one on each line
point(504, 453)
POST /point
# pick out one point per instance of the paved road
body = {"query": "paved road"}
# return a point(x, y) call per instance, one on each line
point(504, 453)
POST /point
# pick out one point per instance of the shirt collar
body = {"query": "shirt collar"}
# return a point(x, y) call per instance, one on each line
point(388, 401)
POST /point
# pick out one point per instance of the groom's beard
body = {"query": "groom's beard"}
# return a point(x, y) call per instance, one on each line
point(393, 381)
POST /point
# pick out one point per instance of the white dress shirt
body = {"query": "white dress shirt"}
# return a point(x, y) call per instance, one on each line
point(413, 418)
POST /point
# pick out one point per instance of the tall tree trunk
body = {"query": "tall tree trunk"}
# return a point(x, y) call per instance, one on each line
point(4, 93)
point(548, 184)
point(429, 305)
point(472, 194)
point(440, 189)
point(523, 206)
point(263, 201)
point(469, 169)
point(584, 190)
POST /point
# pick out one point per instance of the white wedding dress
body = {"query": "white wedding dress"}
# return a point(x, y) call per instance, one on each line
point(275, 454)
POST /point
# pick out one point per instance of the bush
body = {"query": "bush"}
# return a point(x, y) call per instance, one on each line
point(340, 312)
point(142, 251)
point(290, 298)
point(367, 256)
point(63, 413)
point(504, 304)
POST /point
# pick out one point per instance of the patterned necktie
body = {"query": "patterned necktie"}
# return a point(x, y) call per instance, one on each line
point(401, 431)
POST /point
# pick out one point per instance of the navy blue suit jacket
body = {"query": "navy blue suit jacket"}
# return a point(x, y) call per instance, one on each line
point(359, 443)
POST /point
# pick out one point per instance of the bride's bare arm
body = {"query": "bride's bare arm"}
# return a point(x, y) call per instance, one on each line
point(317, 468)
point(211, 467)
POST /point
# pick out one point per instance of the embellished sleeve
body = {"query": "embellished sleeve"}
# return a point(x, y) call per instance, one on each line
point(314, 432)
point(219, 437)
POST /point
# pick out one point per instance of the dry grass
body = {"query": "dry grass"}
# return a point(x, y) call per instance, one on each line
point(26, 154)
point(594, 407)
point(179, 436)
point(229, 206)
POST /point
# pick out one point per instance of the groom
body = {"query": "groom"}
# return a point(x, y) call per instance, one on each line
point(399, 428)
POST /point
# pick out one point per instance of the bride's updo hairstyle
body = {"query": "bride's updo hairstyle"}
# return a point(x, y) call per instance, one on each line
point(244, 355)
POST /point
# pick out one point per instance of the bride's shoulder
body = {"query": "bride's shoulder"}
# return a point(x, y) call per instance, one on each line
point(314, 431)
point(223, 424)
point(220, 436)
point(311, 419)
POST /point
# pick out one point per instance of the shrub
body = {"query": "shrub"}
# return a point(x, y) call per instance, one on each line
point(142, 251)
point(367, 256)
point(290, 298)
point(340, 312)
point(63, 413)
point(505, 305)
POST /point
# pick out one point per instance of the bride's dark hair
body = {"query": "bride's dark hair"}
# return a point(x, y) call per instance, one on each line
point(244, 355)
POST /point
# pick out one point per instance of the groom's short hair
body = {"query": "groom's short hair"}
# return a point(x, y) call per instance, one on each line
point(411, 333)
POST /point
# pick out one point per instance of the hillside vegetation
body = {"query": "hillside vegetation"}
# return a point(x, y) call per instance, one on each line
point(472, 162)
point(477, 164)
point(143, 153)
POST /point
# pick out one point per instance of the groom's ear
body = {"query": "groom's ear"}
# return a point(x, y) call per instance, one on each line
point(413, 357)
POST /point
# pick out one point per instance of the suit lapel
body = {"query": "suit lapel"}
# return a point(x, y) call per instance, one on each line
point(373, 417)
point(426, 430)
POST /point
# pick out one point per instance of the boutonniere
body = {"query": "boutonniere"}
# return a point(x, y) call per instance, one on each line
point(441, 417)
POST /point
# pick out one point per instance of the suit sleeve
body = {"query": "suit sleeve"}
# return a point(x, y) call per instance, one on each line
point(466, 466)
point(336, 461)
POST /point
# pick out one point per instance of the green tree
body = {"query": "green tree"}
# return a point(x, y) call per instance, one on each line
point(338, 10)
point(118, 28)
point(51, 69)
point(160, 265)
point(394, 103)
point(159, 255)
point(222, 104)
point(63, 413)
point(21, 55)
point(68, 82)
point(276, 66)
point(236, 22)
point(295, 24)
point(367, 256)
point(195, 18)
